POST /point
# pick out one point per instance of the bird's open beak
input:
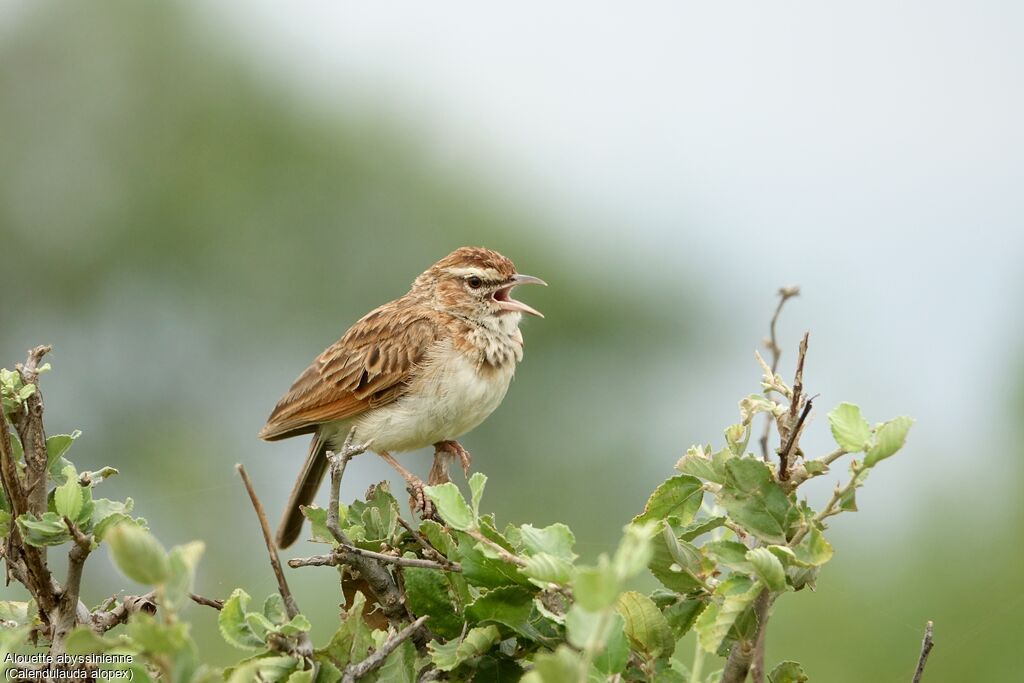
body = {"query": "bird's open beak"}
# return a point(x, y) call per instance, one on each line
point(507, 303)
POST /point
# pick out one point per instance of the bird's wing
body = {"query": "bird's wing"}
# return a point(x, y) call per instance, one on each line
point(370, 366)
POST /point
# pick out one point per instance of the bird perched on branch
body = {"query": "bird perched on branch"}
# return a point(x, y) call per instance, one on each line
point(421, 370)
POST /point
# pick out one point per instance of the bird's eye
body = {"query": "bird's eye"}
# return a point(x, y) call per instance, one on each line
point(474, 282)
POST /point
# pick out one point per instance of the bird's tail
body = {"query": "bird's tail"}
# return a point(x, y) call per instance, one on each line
point(303, 492)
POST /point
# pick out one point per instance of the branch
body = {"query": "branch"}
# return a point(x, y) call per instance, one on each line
point(785, 294)
point(29, 424)
point(383, 584)
point(65, 617)
point(741, 654)
point(926, 649)
point(787, 450)
point(104, 621)
point(305, 646)
point(505, 555)
point(355, 671)
point(428, 548)
point(215, 603)
point(342, 555)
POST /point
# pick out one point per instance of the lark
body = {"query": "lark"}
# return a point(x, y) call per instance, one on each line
point(421, 370)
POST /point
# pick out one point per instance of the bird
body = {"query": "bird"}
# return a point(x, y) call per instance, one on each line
point(421, 370)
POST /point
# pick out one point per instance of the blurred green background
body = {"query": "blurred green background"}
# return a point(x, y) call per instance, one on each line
point(196, 198)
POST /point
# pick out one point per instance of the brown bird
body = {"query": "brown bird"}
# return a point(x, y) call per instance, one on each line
point(421, 370)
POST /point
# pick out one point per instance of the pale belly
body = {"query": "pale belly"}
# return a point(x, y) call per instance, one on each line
point(451, 398)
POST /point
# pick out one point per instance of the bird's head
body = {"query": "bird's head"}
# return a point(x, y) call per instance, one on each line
point(476, 283)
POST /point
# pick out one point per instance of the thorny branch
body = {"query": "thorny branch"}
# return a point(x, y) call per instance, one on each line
point(343, 553)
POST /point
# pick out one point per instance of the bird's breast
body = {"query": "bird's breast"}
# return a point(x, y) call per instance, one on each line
point(452, 393)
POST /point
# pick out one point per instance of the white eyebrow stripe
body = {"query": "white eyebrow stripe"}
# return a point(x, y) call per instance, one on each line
point(469, 271)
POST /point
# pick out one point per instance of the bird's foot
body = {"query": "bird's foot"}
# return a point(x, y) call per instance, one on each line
point(453, 448)
point(419, 502)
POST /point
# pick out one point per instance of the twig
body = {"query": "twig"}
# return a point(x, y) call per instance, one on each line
point(785, 294)
point(505, 555)
point(354, 672)
point(305, 646)
point(215, 603)
point(926, 648)
point(794, 435)
point(428, 547)
point(104, 621)
point(342, 553)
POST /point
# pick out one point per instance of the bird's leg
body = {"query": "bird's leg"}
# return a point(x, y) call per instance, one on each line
point(439, 470)
point(452, 448)
point(418, 500)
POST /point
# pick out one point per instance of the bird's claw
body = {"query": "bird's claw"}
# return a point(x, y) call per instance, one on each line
point(419, 502)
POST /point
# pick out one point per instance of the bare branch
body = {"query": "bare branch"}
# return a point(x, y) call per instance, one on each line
point(926, 649)
point(794, 436)
point(104, 621)
point(305, 645)
point(354, 672)
point(215, 603)
point(785, 294)
point(343, 553)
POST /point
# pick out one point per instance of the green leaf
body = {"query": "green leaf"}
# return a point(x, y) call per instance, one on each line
point(352, 640)
point(813, 550)
point(544, 569)
point(274, 609)
point(679, 496)
point(69, 497)
point(850, 430)
point(889, 438)
point(677, 564)
point(512, 607)
point(556, 540)
point(596, 588)
point(427, 591)
point(635, 549)
point(729, 554)
point(563, 666)
point(600, 633)
point(732, 597)
point(56, 446)
point(400, 666)
point(698, 463)
point(755, 501)
point(181, 562)
point(156, 636)
point(768, 568)
point(452, 506)
point(477, 482)
point(43, 531)
point(439, 537)
point(483, 571)
point(5, 523)
point(788, 672)
point(317, 517)
point(681, 615)
point(646, 627)
point(233, 625)
point(692, 531)
point(138, 554)
point(107, 513)
point(448, 656)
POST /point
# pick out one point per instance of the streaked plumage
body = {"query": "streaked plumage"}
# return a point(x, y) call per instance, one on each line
point(423, 369)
